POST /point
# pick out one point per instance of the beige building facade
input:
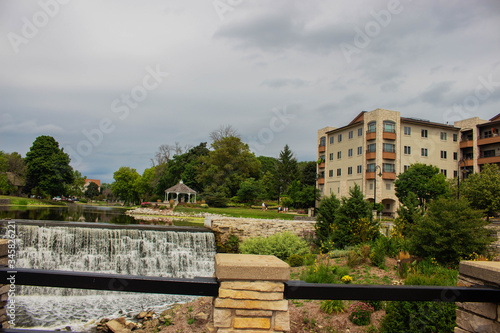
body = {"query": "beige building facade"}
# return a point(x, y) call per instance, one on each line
point(378, 145)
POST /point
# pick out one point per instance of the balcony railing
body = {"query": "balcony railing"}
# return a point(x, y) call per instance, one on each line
point(488, 160)
point(321, 181)
point(486, 141)
point(388, 155)
point(371, 135)
point(466, 144)
point(389, 135)
point(370, 155)
point(321, 148)
point(321, 165)
point(389, 175)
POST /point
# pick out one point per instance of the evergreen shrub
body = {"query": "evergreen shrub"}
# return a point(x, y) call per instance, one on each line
point(281, 245)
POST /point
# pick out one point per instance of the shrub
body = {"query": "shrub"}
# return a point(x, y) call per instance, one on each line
point(361, 314)
point(324, 273)
point(280, 245)
point(204, 206)
point(83, 200)
point(377, 256)
point(331, 306)
point(296, 260)
point(338, 253)
point(376, 305)
point(358, 255)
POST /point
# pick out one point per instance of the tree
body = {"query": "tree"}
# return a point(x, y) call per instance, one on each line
point(424, 180)
point(224, 131)
point(302, 196)
point(450, 231)
point(325, 222)
point(409, 213)
point(48, 169)
point(144, 184)
point(77, 187)
point(226, 166)
point(483, 189)
point(124, 184)
point(92, 190)
point(308, 172)
point(287, 169)
point(250, 190)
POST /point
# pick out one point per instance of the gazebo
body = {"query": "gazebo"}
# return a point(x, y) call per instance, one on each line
point(180, 188)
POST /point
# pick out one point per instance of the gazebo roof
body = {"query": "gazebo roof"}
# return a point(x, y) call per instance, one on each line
point(180, 188)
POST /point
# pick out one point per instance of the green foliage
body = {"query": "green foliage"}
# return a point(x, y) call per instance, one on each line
point(358, 255)
point(82, 200)
point(296, 260)
point(378, 253)
point(376, 305)
point(230, 245)
point(307, 173)
point(325, 222)
point(450, 231)
point(216, 199)
point(331, 306)
point(281, 245)
point(360, 314)
point(124, 184)
point(287, 169)
point(324, 273)
point(249, 191)
point(425, 181)
point(47, 168)
point(92, 190)
point(428, 273)
point(483, 189)
point(409, 213)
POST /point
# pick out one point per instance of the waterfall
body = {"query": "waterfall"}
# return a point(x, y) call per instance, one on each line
point(180, 254)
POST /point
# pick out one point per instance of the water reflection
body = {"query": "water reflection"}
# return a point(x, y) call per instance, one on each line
point(72, 212)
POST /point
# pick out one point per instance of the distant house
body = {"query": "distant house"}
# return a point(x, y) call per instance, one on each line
point(15, 180)
point(88, 181)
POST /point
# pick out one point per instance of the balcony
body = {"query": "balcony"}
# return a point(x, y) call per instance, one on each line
point(467, 163)
point(370, 175)
point(388, 155)
point(321, 165)
point(389, 175)
point(321, 181)
point(370, 155)
point(486, 160)
point(466, 144)
point(389, 135)
point(487, 141)
point(371, 135)
point(321, 149)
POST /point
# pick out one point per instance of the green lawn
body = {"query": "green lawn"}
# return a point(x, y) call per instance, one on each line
point(239, 212)
point(17, 201)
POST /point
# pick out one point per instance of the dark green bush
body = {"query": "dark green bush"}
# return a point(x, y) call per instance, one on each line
point(377, 255)
point(296, 260)
point(280, 245)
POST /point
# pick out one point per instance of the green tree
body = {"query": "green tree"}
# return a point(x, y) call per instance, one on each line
point(424, 180)
point(92, 190)
point(409, 213)
point(302, 196)
point(47, 168)
point(124, 184)
point(325, 222)
point(308, 172)
point(287, 169)
point(450, 231)
point(144, 185)
point(78, 186)
point(483, 190)
point(250, 190)
point(226, 166)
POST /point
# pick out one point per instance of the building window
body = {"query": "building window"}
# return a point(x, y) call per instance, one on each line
point(349, 170)
point(331, 156)
point(370, 167)
point(339, 172)
point(349, 152)
point(443, 153)
point(455, 137)
point(455, 155)
point(455, 174)
point(351, 134)
point(388, 187)
point(371, 148)
point(388, 167)
point(322, 141)
point(339, 155)
point(359, 170)
point(389, 126)
point(407, 150)
point(424, 152)
point(371, 186)
point(489, 153)
point(389, 147)
point(332, 139)
point(372, 127)
point(443, 136)
point(443, 171)
point(360, 150)
point(360, 131)
point(330, 173)
point(424, 133)
point(407, 130)
point(339, 138)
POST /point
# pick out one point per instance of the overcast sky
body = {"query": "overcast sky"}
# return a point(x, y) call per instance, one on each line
point(113, 80)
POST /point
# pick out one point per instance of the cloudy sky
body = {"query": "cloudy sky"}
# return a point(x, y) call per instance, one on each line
point(113, 80)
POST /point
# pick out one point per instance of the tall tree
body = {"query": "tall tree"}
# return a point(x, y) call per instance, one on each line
point(287, 169)
point(325, 222)
point(124, 184)
point(424, 180)
point(144, 184)
point(308, 172)
point(78, 186)
point(483, 189)
point(92, 190)
point(48, 169)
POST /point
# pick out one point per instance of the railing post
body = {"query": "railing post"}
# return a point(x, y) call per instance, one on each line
point(251, 294)
point(478, 317)
point(4, 288)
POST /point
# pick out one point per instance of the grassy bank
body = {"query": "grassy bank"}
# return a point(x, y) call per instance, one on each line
point(239, 212)
point(18, 201)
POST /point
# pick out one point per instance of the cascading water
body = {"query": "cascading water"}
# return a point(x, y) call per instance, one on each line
point(119, 251)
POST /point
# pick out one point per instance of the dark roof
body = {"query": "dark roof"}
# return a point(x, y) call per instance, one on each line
point(180, 188)
point(427, 123)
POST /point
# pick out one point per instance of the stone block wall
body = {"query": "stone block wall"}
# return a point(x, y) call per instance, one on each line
point(4, 288)
point(251, 295)
point(478, 317)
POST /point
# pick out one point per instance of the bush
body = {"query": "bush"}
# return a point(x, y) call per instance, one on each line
point(331, 306)
point(83, 200)
point(358, 255)
point(324, 273)
point(376, 305)
point(216, 200)
point(361, 314)
point(377, 256)
point(231, 245)
point(296, 260)
point(204, 206)
point(280, 245)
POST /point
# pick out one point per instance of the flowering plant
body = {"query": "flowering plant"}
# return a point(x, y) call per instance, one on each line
point(346, 279)
point(360, 313)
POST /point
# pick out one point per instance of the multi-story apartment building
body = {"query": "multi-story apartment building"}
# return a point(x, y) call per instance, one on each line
point(378, 145)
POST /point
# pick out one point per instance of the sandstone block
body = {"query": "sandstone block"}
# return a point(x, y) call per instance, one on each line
point(117, 327)
point(282, 321)
point(459, 330)
point(488, 271)
point(254, 313)
point(472, 323)
point(254, 285)
point(222, 317)
point(246, 294)
point(250, 267)
point(4, 247)
point(488, 310)
point(4, 288)
point(252, 322)
point(251, 304)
